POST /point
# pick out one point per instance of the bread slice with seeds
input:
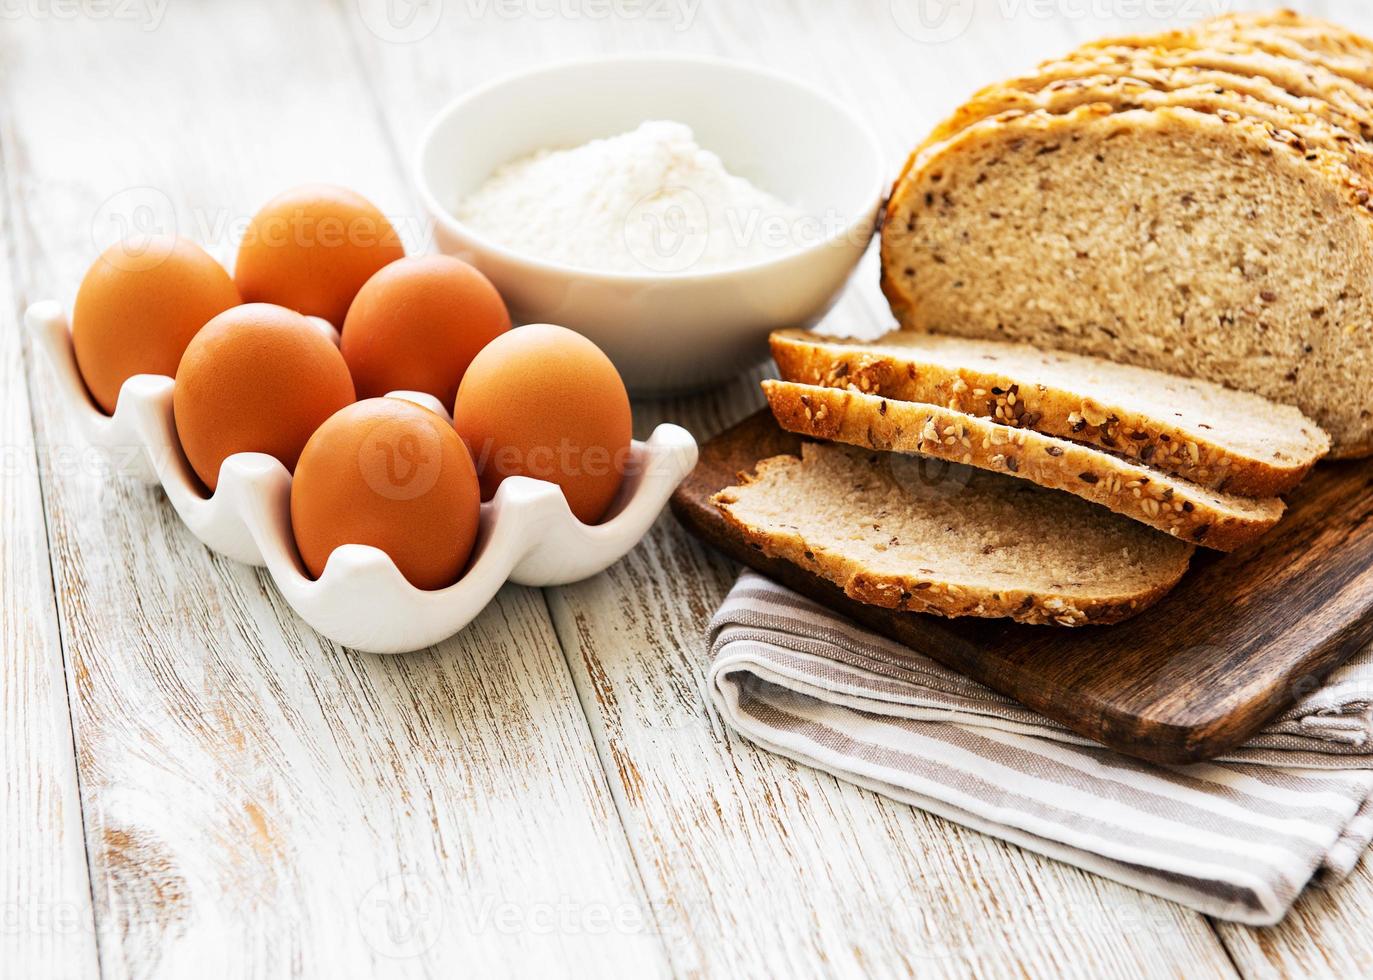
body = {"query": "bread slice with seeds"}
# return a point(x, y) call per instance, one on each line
point(1163, 238)
point(1163, 501)
point(1219, 438)
point(967, 543)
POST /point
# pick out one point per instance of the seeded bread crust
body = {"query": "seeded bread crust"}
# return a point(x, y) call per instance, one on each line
point(1298, 86)
point(1315, 33)
point(1265, 305)
point(1126, 92)
point(1290, 119)
point(1297, 24)
point(1301, 78)
point(1023, 387)
point(1329, 38)
point(1318, 49)
point(1163, 501)
point(776, 509)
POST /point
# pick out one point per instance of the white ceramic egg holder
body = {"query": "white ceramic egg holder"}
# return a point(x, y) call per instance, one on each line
point(527, 535)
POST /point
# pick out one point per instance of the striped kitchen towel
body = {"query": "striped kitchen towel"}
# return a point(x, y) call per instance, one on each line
point(1238, 838)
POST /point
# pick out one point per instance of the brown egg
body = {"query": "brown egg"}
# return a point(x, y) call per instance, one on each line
point(139, 306)
point(388, 473)
point(544, 402)
point(257, 378)
point(311, 249)
point(417, 324)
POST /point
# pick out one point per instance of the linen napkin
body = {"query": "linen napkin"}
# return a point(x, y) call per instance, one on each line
point(1237, 838)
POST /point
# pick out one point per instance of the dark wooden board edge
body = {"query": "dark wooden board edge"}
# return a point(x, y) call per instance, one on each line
point(996, 652)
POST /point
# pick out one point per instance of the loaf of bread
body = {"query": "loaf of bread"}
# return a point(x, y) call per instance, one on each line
point(1224, 236)
point(1161, 500)
point(1226, 440)
point(956, 542)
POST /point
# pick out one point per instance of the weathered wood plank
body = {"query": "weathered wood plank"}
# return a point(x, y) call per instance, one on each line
point(46, 925)
point(258, 802)
point(1327, 934)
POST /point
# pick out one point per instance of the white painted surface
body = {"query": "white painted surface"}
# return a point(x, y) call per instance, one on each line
point(543, 794)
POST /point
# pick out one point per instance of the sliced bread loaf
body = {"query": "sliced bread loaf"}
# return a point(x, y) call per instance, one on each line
point(1161, 500)
point(997, 547)
point(1223, 439)
point(1164, 238)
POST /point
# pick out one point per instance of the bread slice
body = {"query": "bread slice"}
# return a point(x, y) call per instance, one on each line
point(1164, 238)
point(970, 544)
point(1222, 439)
point(1161, 500)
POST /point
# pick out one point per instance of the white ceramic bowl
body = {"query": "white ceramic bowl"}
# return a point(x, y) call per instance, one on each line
point(667, 332)
point(527, 533)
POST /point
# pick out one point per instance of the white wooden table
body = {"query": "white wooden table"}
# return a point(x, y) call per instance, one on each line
point(194, 783)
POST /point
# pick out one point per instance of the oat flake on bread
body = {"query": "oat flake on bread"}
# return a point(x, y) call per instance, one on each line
point(646, 201)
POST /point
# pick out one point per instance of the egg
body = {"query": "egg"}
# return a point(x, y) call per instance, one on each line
point(388, 473)
point(417, 324)
point(545, 402)
point(257, 378)
point(311, 249)
point(139, 306)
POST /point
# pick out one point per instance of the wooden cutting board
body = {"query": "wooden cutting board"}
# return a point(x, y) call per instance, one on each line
point(1240, 638)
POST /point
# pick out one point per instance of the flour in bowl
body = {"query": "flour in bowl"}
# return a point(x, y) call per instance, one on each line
point(647, 201)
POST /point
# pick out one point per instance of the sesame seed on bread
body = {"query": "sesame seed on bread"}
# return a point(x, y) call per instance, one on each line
point(964, 542)
point(1142, 493)
point(1225, 440)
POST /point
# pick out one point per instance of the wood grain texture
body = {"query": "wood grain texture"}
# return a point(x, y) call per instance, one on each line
point(1324, 935)
point(258, 802)
point(1230, 647)
point(46, 925)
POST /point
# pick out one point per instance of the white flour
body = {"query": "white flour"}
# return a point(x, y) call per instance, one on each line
point(647, 201)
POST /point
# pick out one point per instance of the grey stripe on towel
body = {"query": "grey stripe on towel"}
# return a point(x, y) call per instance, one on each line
point(1238, 838)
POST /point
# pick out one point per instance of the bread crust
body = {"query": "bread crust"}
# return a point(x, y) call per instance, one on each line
point(1321, 48)
point(1324, 167)
point(1288, 70)
point(1293, 24)
point(1261, 74)
point(915, 592)
point(1113, 426)
point(1184, 88)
